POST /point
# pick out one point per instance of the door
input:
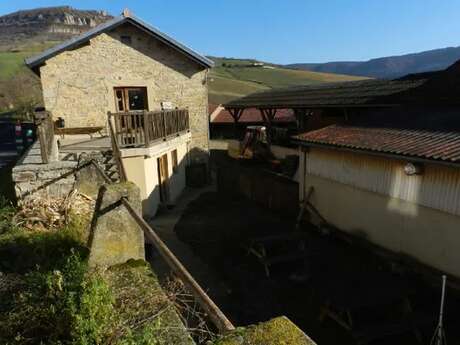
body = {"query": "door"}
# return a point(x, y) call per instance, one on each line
point(131, 126)
point(131, 98)
point(163, 178)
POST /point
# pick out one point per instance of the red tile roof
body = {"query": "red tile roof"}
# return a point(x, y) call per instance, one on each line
point(251, 115)
point(427, 144)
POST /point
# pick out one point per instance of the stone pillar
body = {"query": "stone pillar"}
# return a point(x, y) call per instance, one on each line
point(115, 236)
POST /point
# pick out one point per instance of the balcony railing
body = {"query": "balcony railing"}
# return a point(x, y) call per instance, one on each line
point(144, 128)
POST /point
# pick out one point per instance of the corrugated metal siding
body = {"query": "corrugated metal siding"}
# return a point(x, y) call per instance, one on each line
point(438, 187)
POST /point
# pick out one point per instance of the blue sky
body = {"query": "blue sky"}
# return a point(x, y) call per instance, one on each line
point(288, 31)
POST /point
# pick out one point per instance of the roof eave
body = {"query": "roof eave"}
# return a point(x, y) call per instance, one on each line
point(402, 157)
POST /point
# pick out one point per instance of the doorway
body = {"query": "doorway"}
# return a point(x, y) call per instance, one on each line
point(131, 99)
point(163, 178)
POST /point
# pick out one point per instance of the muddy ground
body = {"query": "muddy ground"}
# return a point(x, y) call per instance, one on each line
point(217, 228)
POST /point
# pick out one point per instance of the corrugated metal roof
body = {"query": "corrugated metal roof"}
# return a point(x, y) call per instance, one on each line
point(426, 144)
point(353, 93)
point(39, 59)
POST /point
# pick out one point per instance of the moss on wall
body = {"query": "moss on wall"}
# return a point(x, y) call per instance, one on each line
point(278, 331)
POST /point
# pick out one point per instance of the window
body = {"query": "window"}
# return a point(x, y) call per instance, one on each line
point(174, 161)
point(126, 40)
point(131, 98)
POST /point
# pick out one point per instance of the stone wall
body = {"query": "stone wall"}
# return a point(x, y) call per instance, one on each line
point(34, 179)
point(78, 85)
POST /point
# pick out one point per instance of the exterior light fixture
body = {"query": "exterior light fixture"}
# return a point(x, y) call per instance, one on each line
point(413, 169)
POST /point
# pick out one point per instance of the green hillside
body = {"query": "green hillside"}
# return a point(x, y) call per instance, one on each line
point(232, 78)
point(12, 62)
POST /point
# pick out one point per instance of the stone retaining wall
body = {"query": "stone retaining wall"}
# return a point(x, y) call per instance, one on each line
point(32, 178)
point(58, 178)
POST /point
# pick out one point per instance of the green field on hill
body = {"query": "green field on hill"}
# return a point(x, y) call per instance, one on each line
point(232, 78)
point(12, 62)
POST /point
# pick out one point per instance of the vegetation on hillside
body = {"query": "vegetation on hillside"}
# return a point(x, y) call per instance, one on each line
point(232, 78)
point(20, 89)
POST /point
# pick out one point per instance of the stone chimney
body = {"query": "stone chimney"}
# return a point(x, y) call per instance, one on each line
point(126, 13)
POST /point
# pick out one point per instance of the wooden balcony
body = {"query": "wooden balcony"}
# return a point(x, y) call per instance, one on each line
point(145, 128)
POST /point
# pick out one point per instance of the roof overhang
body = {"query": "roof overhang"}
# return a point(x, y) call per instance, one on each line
point(400, 157)
point(38, 60)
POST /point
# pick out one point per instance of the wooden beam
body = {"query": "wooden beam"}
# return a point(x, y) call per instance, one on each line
point(236, 113)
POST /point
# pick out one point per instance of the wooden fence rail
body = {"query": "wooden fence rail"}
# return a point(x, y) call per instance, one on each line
point(142, 128)
point(45, 131)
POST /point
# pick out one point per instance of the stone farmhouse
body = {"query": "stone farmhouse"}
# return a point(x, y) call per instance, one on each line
point(143, 91)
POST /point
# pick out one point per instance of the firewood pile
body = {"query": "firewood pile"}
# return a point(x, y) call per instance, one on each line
point(48, 214)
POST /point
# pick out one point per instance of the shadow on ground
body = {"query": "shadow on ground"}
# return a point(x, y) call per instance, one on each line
point(217, 228)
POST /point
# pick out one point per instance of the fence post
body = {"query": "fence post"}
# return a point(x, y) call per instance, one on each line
point(43, 145)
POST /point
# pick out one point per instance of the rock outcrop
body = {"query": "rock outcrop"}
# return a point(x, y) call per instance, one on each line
point(47, 24)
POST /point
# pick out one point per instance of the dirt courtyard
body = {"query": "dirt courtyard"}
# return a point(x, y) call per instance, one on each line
point(217, 229)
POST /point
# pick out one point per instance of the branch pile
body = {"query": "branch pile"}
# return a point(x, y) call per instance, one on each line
point(49, 214)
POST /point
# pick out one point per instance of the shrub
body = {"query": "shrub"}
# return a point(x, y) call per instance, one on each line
point(67, 306)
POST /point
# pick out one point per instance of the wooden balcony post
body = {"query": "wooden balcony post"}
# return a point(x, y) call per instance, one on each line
point(147, 127)
point(165, 131)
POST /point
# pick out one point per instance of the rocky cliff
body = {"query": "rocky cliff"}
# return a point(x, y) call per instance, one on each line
point(46, 24)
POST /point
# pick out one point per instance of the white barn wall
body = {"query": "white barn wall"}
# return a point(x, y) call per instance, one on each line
point(371, 197)
point(438, 187)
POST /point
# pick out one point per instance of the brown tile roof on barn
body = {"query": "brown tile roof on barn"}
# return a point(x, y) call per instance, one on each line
point(420, 143)
point(354, 93)
point(251, 115)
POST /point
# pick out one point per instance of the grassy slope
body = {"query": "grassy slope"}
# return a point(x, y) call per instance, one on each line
point(227, 82)
point(12, 62)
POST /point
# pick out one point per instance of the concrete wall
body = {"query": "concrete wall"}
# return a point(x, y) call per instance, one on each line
point(350, 194)
point(142, 168)
point(78, 85)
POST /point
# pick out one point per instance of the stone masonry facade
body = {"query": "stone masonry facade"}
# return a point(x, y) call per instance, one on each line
point(78, 85)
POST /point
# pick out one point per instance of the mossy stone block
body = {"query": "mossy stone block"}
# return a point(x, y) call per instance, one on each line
point(278, 331)
point(115, 236)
